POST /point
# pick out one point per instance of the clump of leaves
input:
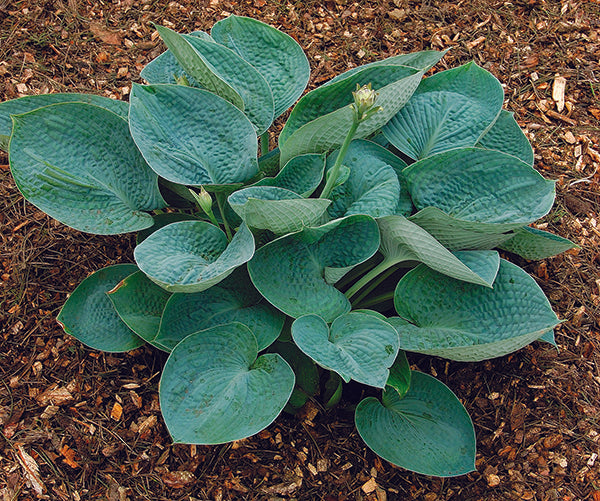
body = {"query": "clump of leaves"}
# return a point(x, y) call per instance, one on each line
point(372, 230)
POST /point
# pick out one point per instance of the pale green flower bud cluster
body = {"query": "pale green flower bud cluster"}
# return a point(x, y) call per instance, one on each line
point(364, 102)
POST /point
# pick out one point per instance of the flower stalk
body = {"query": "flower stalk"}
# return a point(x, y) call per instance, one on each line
point(363, 108)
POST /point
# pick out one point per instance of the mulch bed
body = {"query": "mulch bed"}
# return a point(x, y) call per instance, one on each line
point(76, 424)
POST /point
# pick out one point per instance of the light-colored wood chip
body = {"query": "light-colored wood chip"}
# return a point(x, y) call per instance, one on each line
point(558, 92)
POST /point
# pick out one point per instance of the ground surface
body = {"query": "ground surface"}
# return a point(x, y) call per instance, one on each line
point(90, 422)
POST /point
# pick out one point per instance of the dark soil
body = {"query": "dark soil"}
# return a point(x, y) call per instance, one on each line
point(77, 424)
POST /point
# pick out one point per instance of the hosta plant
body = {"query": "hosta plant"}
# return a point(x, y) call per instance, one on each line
point(274, 276)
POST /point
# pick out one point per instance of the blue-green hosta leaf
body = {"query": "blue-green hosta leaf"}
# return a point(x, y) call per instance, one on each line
point(302, 174)
point(473, 184)
point(78, 163)
point(450, 109)
point(192, 136)
point(534, 244)
point(219, 69)
point(456, 234)
point(233, 300)
point(161, 220)
point(400, 375)
point(428, 431)
point(416, 60)
point(276, 209)
point(467, 322)
point(548, 337)
point(321, 119)
point(357, 346)
point(372, 186)
point(506, 136)
point(214, 389)
point(140, 304)
point(191, 256)
point(337, 93)
point(195, 65)
point(485, 263)
point(241, 76)
point(289, 271)
point(89, 316)
point(402, 240)
point(277, 56)
point(164, 69)
point(30, 103)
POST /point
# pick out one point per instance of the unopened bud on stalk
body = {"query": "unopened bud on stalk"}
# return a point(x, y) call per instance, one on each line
point(364, 100)
point(204, 201)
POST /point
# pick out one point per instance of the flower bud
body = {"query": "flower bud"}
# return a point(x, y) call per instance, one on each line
point(364, 99)
point(204, 200)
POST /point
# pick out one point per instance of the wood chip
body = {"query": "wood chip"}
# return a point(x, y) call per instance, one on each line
point(569, 137)
point(474, 43)
point(397, 14)
point(69, 456)
point(552, 441)
point(369, 486)
point(55, 396)
point(178, 479)
point(493, 480)
point(32, 471)
point(105, 35)
point(558, 92)
point(322, 464)
point(117, 411)
point(148, 423)
point(49, 412)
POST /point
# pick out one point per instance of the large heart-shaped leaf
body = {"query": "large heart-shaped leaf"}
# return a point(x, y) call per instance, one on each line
point(450, 109)
point(357, 346)
point(506, 136)
point(277, 209)
point(192, 136)
point(467, 322)
point(191, 256)
point(89, 316)
point(78, 163)
point(532, 243)
point(219, 70)
point(321, 119)
point(30, 103)
point(235, 299)
point(214, 389)
point(302, 174)
point(428, 431)
point(402, 240)
point(289, 271)
point(473, 184)
point(276, 55)
point(140, 304)
point(372, 187)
